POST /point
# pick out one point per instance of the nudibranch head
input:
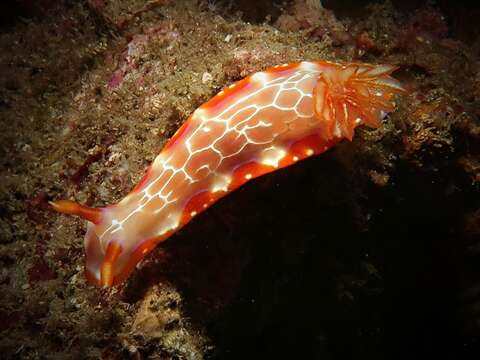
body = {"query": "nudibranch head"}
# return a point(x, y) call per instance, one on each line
point(112, 248)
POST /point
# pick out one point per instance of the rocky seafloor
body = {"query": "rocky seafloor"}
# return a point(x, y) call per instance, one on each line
point(369, 251)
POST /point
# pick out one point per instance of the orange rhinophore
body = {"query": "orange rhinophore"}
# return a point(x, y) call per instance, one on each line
point(267, 121)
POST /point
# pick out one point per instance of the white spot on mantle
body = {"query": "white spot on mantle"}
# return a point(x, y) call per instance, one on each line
point(221, 183)
point(272, 156)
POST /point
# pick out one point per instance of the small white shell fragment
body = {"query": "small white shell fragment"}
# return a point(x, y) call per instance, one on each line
point(206, 77)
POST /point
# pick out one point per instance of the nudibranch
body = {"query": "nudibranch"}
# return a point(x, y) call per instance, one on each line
point(267, 121)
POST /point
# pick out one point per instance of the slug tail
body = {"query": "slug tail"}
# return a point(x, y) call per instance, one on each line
point(347, 96)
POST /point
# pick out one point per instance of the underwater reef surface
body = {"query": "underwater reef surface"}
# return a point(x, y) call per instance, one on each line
point(369, 251)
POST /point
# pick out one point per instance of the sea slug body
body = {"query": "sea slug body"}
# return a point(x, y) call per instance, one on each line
point(267, 121)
